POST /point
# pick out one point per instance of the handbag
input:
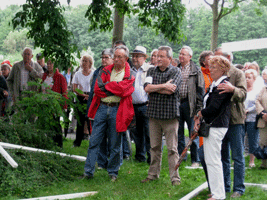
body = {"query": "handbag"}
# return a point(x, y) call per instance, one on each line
point(204, 128)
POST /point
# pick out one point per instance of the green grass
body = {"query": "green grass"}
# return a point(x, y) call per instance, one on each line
point(128, 184)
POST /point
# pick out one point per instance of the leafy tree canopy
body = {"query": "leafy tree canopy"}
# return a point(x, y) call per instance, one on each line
point(49, 30)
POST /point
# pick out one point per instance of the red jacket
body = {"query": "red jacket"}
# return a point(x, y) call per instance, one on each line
point(123, 89)
point(60, 84)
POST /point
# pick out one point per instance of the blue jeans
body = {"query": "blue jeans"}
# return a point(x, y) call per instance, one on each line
point(253, 136)
point(234, 139)
point(103, 154)
point(185, 117)
point(141, 137)
point(105, 119)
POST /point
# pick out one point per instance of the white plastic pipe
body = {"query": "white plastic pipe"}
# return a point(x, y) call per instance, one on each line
point(8, 157)
point(14, 146)
point(65, 196)
point(195, 192)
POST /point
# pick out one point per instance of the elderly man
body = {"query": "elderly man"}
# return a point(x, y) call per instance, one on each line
point(22, 72)
point(112, 110)
point(140, 100)
point(192, 89)
point(234, 138)
point(106, 60)
point(162, 86)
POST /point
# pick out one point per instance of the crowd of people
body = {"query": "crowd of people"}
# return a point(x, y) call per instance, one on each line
point(161, 95)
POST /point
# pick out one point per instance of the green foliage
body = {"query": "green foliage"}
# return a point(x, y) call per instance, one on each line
point(48, 29)
point(16, 41)
point(35, 171)
point(163, 16)
point(26, 134)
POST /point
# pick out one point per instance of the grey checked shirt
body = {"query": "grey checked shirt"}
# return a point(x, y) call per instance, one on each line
point(164, 106)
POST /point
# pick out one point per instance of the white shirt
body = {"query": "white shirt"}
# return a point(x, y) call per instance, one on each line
point(82, 81)
point(214, 84)
point(139, 95)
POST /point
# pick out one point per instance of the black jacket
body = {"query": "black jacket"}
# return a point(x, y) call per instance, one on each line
point(3, 86)
point(217, 108)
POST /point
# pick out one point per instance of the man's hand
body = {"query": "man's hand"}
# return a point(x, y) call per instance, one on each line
point(197, 119)
point(264, 116)
point(226, 87)
point(28, 67)
point(170, 87)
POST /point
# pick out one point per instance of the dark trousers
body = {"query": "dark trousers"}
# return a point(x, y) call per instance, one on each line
point(141, 137)
point(80, 122)
point(185, 117)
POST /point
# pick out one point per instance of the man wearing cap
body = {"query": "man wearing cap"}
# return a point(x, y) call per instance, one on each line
point(22, 72)
point(41, 61)
point(140, 100)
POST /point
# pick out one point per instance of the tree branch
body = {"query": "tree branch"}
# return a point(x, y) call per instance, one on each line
point(207, 3)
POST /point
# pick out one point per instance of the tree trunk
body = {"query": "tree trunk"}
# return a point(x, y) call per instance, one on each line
point(215, 25)
point(118, 27)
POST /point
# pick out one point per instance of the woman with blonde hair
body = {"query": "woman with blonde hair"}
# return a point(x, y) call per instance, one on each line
point(216, 112)
point(250, 122)
point(82, 81)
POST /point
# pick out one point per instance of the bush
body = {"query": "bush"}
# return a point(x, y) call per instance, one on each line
point(35, 171)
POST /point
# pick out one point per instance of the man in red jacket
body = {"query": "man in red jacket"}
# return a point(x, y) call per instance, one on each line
point(112, 110)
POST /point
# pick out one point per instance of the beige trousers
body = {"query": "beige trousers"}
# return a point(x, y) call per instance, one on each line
point(170, 129)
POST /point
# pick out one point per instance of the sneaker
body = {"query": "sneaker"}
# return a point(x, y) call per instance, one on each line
point(175, 183)
point(251, 165)
point(236, 195)
point(195, 164)
point(113, 178)
point(146, 180)
point(84, 176)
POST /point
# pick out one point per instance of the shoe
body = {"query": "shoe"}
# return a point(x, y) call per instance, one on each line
point(113, 178)
point(195, 164)
point(84, 176)
point(100, 168)
point(236, 195)
point(252, 165)
point(146, 180)
point(126, 157)
point(263, 167)
point(175, 183)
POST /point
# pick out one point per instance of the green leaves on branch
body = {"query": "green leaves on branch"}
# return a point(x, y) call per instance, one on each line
point(163, 16)
point(48, 28)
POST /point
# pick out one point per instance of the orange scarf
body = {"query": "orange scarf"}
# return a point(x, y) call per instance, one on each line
point(206, 74)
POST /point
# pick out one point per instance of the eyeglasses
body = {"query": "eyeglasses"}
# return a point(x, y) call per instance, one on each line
point(182, 54)
point(119, 57)
point(105, 57)
point(137, 56)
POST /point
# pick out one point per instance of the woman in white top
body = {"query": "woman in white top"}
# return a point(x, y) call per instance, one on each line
point(250, 123)
point(82, 81)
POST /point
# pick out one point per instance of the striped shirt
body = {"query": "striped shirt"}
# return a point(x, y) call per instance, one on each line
point(185, 76)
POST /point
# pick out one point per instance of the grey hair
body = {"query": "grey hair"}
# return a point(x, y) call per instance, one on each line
point(108, 51)
point(264, 71)
point(26, 48)
point(124, 48)
point(188, 48)
point(167, 49)
point(227, 53)
point(253, 72)
point(153, 51)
